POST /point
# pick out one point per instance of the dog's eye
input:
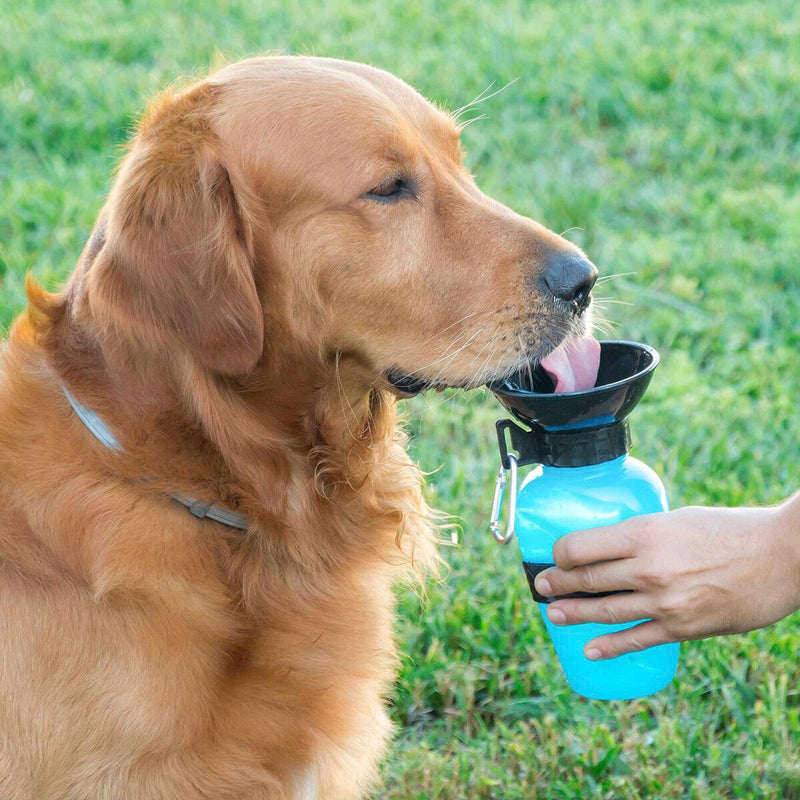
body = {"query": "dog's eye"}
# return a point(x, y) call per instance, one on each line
point(391, 189)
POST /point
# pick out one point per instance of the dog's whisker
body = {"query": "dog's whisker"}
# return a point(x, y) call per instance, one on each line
point(602, 301)
point(454, 342)
point(614, 275)
point(448, 359)
point(343, 399)
point(468, 122)
point(489, 344)
point(477, 99)
point(600, 321)
point(453, 325)
point(494, 357)
point(527, 363)
point(482, 97)
point(486, 344)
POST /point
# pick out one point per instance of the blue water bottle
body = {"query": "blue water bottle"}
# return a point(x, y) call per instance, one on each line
point(585, 478)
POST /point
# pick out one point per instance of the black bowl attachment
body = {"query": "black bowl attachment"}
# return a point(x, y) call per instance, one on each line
point(623, 377)
point(576, 428)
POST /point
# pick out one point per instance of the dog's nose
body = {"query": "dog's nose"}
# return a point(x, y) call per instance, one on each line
point(570, 276)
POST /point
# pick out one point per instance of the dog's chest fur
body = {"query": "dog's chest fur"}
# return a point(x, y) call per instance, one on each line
point(149, 653)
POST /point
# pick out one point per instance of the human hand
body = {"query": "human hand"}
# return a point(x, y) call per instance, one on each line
point(693, 573)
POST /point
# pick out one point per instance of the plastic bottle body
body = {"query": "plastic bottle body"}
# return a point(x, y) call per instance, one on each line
point(554, 501)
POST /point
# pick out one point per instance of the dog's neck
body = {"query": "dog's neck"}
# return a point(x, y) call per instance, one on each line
point(243, 441)
point(322, 481)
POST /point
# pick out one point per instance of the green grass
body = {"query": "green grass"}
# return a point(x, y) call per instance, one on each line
point(666, 137)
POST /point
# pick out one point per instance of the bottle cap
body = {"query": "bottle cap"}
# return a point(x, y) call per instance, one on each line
point(579, 447)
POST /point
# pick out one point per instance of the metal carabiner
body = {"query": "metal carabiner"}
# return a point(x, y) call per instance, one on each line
point(497, 503)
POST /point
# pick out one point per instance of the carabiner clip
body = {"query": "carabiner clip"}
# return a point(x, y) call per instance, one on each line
point(497, 503)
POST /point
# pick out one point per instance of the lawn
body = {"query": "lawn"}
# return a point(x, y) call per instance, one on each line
point(664, 139)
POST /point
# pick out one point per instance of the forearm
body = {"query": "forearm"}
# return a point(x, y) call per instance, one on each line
point(789, 519)
point(791, 511)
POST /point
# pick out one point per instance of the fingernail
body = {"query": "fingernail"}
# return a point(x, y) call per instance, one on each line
point(593, 654)
point(543, 586)
point(556, 616)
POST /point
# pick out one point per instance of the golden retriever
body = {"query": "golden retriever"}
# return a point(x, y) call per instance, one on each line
point(289, 246)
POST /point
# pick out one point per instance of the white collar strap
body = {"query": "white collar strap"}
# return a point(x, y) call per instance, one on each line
point(96, 426)
point(100, 431)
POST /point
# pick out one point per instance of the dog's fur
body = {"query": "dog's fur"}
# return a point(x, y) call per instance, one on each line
point(233, 319)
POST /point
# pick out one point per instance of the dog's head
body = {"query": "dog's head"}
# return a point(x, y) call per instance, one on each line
point(319, 207)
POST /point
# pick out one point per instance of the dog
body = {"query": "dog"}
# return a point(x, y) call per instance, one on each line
point(289, 246)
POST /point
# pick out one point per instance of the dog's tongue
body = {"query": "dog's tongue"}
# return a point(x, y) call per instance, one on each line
point(573, 364)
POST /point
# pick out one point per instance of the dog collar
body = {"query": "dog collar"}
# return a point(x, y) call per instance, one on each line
point(101, 432)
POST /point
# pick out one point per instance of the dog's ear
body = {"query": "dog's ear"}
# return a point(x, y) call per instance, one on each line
point(176, 266)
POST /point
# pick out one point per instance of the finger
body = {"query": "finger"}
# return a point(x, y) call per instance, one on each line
point(607, 576)
point(610, 610)
point(600, 544)
point(631, 640)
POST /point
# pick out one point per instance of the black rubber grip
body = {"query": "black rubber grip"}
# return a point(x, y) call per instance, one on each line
point(532, 569)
